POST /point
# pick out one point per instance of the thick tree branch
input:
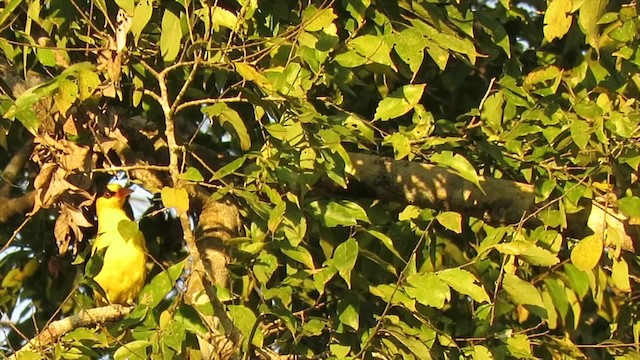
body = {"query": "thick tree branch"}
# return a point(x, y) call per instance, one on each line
point(15, 206)
point(13, 168)
point(427, 185)
point(503, 201)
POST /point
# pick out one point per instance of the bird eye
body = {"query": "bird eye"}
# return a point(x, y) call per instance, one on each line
point(108, 194)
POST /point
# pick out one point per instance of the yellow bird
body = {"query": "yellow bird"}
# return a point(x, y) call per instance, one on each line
point(124, 267)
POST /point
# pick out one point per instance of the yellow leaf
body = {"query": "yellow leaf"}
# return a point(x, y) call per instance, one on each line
point(12, 279)
point(586, 254)
point(557, 19)
point(620, 275)
point(30, 268)
point(175, 198)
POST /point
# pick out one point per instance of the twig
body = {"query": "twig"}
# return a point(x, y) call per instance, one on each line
point(184, 88)
point(388, 305)
point(473, 122)
point(131, 167)
point(15, 233)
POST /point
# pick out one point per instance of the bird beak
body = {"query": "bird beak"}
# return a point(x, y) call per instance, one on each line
point(124, 192)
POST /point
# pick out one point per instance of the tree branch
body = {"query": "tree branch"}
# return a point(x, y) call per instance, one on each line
point(13, 168)
point(57, 329)
point(18, 205)
point(503, 201)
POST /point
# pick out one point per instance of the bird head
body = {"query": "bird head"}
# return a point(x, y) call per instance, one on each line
point(114, 197)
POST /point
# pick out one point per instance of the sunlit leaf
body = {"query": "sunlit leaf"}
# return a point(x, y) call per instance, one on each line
point(141, 16)
point(153, 293)
point(620, 275)
point(458, 163)
point(170, 35)
point(175, 198)
point(428, 290)
point(344, 259)
point(450, 220)
point(523, 293)
point(399, 102)
point(244, 319)
point(463, 282)
point(557, 19)
point(349, 312)
point(133, 349)
point(586, 254)
point(338, 213)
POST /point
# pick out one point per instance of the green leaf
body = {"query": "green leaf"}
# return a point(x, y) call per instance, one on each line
point(580, 133)
point(579, 280)
point(338, 213)
point(538, 256)
point(88, 82)
point(192, 174)
point(390, 294)
point(230, 168)
point(275, 216)
point(322, 277)
point(586, 254)
point(557, 19)
point(8, 11)
point(223, 17)
point(590, 13)
point(630, 206)
point(299, 254)
point(317, 20)
point(153, 293)
point(399, 102)
point(46, 57)
point(175, 198)
point(22, 108)
point(529, 252)
point(544, 189)
point(620, 275)
point(128, 229)
point(492, 111)
point(127, 5)
point(349, 312)
point(344, 259)
point(366, 49)
point(523, 293)
point(458, 163)
point(401, 145)
point(66, 95)
point(231, 117)
point(264, 266)
point(463, 282)
point(141, 16)
point(171, 35)
point(244, 320)
point(386, 241)
point(416, 346)
point(409, 44)
point(481, 353)
point(450, 220)
point(308, 159)
point(136, 349)
point(558, 295)
point(428, 290)
point(495, 29)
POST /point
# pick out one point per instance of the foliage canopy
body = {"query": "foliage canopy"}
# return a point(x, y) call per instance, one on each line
point(262, 107)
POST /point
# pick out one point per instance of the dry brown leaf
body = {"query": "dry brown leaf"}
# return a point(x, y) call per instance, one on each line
point(68, 226)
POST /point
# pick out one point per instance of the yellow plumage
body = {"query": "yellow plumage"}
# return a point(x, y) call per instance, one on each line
point(124, 267)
